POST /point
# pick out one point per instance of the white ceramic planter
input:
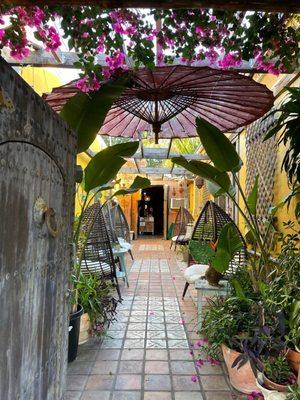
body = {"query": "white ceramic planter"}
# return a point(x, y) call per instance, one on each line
point(271, 394)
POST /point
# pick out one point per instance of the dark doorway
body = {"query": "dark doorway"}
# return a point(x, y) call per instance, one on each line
point(151, 211)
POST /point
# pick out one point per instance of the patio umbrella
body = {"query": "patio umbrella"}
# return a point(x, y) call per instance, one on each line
point(167, 100)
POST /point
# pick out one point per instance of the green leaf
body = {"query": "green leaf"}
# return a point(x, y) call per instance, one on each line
point(138, 183)
point(105, 165)
point(252, 198)
point(215, 190)
point(205, 170)
point(238, 289)
point(85, 113)
point(218, 147)
point(229, 243)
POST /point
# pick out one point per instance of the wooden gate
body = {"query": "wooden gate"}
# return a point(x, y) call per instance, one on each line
point(37, 159)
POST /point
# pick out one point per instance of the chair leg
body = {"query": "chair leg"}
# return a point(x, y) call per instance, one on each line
point(185, 289)
point(131, 255)
point(171, 244)
point(118, 290)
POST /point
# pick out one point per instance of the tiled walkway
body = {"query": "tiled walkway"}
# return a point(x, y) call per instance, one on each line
point(151, 351)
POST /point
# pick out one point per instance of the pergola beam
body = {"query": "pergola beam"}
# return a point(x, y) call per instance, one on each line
point(66, 59)
point(140, 156)
point(241, 5)
point(155, 171)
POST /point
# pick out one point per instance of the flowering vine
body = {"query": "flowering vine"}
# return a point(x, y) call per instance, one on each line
point(223, 38)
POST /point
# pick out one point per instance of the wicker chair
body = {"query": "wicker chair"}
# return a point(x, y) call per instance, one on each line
point(117, 225)
point(207, 229)
point(182, 224)
point(97, 254)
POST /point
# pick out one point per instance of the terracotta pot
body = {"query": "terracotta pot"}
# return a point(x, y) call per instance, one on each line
point(84, 333)
point(293, 358)
point(270, 394)
point(212, 276)
point(242, 379)
point(274, 386)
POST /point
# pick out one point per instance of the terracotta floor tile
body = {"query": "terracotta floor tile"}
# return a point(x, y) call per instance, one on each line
point(188, 396)
point(156, 354)
point(72, 395)
point(130, 367)
point(95, 395)
point(183, 367)
point(128, 382)
point(108, 355)
point(156, 367)
point(157, 382)
point(219, 396)
point(184, 383)
point(157, 396)
point(214, 382)
point(104, 367)
point(76, 382)
point(99, 382)
point(126, 395)
point(132, 354)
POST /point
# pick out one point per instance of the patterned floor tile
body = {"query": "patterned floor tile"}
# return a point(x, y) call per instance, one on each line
point(178, 344)
point(134, 344)
point(156, 344)
point(156, 335)
point(135, 334)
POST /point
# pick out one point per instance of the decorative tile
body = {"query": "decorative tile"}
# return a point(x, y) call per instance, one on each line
point(137, 326)
point(95, 395)
point(183, 367)
point(155, 327)
point(174, 327)
point(116, 326)
point(138, 312)
point(134, 344)
point(180, 334)
point(108, 355)
point(79, 367)
point(184, 383)
point(156, 344)
point(112, 343)
point(137, 318)
point(214, 382)
point(156, 319)
point(191, 396)
point(135, 334)
point(116, 334)
point(99, 382)
point(73, 395)
point(158, 396)
point(76, 382)
point(173, 319)
point(104, 367)
point(178, 344)
point(219, 396)
point(156, 335)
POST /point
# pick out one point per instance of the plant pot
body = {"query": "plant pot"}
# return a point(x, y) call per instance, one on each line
point(242, 379)
point(270, 394)
point(293, 358)
point(85, 328)
point(212, 276)
point(74, 328)
point(274, 386)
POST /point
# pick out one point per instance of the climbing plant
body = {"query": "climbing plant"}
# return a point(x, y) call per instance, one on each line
point(223, 38)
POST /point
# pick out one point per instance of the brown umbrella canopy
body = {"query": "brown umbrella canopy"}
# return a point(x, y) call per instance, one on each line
point(168, 99)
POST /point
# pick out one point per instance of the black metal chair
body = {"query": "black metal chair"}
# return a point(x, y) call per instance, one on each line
point(117, 225)
point(206, 230)
point(183, 220)
point(97, 253)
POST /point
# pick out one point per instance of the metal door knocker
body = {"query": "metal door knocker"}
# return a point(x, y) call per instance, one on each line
point(42, 213)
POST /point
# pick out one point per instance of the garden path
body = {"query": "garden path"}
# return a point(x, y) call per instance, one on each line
point(152, 348)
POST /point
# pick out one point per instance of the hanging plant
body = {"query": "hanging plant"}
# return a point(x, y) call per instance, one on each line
point(223, 38)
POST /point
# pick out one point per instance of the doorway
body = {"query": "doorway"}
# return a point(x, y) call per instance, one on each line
point(151, 211)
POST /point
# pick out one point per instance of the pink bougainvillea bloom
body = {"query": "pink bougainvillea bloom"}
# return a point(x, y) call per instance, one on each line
point(174, 278)
point(2, 33)
point(213, 18)
point(200, 31)
point(200, 362)
point(19, 52)
point(182, 322)
point(38, 16)
point(213, 361)
point(194, 378)
point(191, 353)
point(85, 35)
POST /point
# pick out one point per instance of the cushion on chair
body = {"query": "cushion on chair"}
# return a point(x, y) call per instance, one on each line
point(194, 272)
point(124, 244)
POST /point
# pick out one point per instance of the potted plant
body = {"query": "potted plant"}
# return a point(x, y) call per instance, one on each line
point(293, 337)
point(277, 374)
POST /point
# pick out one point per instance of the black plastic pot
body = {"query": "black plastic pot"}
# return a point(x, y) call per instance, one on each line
point(74, 329)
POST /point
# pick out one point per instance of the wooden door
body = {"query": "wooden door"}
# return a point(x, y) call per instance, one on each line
point(37, 158)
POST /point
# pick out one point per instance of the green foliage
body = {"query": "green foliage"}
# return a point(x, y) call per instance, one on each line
point(288, 124)
point(138, 183)
point(226, 319)
point(253, 196)
point(85, 113)
point(201, 252)
point(218, 147)
point(293, 392)
point(229, 243)
point(105, 165)
point(94, 295)
point(205, 170)
point(277, 369)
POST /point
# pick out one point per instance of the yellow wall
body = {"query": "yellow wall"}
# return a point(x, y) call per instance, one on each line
point(40, 79)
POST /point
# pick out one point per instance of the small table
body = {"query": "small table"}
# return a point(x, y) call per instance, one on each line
point(120, 252)
point(204, 289)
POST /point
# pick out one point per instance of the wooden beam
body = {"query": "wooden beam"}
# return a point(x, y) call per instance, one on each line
point(241, 5)
point(66, 59)
point(140, 156)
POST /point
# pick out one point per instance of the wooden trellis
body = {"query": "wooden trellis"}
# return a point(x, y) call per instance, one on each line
point(261, 160)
